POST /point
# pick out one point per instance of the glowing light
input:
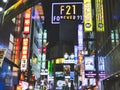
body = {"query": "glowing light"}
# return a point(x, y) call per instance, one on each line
point(1, 9)
point(5, 1)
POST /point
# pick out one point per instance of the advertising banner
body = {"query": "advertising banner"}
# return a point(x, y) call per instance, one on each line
point(99, 16)
point(88, 24)
point(90, 71)
point(101, 67)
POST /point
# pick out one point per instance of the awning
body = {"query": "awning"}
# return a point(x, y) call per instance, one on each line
point(11, 63)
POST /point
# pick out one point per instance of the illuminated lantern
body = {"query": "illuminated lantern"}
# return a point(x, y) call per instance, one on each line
point(19, 87)
point(32, 78)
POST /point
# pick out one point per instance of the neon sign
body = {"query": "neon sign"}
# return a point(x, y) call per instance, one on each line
point(25, 49)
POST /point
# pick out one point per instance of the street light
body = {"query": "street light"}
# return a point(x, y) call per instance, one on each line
point(1, 9)
point(3, 4)
point(5, 1)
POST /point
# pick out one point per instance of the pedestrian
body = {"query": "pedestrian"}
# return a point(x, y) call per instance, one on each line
point(72, 85)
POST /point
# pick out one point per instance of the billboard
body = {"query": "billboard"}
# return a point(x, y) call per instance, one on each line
point(89, 64)
point(67, 11)
point(90, 71)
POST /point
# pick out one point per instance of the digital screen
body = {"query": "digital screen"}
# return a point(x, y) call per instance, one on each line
point(89, 64)
point(90, 71)
point(67, 11)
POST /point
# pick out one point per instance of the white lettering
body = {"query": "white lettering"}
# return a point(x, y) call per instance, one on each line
point(61, 9)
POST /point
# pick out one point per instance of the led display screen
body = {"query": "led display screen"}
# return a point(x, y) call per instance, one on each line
point(90, 71)
point(89, 64)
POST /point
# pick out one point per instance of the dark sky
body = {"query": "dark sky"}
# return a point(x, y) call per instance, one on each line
point(5, 33)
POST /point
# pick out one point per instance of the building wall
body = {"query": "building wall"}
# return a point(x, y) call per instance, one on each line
point(112, 61)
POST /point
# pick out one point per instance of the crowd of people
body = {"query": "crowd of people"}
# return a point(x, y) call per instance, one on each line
point(48, 85)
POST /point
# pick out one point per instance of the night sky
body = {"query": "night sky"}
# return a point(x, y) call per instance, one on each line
point(5, 33)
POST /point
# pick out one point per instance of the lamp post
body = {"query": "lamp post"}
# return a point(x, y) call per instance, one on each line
point(2, 8)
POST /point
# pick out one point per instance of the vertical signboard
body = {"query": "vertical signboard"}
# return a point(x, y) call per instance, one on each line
point(25, 49)
point(27, 21)
point(101, 67)
point(99, 15)
point(44, 50)
point(88, 24)
point(76, 54)
point(24, 56)
point(23, 65)
point(80, 43)
point(16, 50)
point(80, 36)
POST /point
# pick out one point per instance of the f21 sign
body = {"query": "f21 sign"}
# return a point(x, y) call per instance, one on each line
point(67, 11)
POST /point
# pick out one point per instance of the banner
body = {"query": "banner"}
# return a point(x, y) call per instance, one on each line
point(88, 25)
point(99, 16)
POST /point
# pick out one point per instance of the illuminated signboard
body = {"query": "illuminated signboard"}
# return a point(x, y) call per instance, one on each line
point(16, 50)
point(27, 21)
point(23, 65)
point(80, 36)
point(90, 71)
point(99, 16)
point(89, 63)
point(67, 11)
point(101, 67)
point(25, 49)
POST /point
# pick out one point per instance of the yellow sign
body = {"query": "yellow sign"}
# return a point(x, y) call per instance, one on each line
point(99, 16)
point(88, 25)
point(60, 60)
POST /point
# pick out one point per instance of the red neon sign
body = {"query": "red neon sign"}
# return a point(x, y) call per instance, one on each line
point(25, 48)
point(27, 21)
